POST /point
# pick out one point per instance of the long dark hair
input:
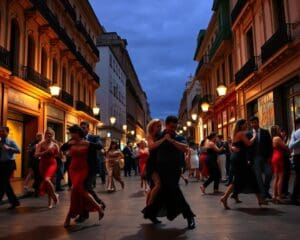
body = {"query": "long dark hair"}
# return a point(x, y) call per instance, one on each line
point(113, 142)
point(76, 129)
point(238, 126)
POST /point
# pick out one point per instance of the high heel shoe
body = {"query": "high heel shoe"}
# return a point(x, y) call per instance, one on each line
point(224, 202)
point(202, 188)
point(100, 213)
point(56, 200)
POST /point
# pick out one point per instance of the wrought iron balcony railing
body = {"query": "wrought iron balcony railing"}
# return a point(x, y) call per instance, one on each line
point(278, 40)
point(4, 58)
point(237, 10)
point(35, 78)
point(69, 9)
point(66, 97)
point(246, 70)
point(46, 12)
point(87, 36)
point(221, 36)
point(81, 106)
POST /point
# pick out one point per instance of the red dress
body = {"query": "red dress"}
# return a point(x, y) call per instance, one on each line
point(47, 167)
point(79, 170)
point(278, 160)
point(143, 157)
point(204, 171)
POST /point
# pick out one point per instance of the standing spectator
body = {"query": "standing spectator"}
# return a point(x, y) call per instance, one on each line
point(193, 159)
point(33, 166)
point(143, 155)
point(8, 149)
point(102, 168)
point(295, 146)
point(221, 157)
point(286, 165)
point(127, 151)
point(203, 153)
point(262, 150)
point(279, 149)
point(135, 160)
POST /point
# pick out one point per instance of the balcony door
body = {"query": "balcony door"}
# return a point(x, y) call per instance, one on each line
point(278, 14)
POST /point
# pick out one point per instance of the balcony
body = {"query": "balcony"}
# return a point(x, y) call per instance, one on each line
point(69, 9)
point(203, 61)
point(246, 70)
point(279, 39)
point(66, 98)
point(222, 36)
point(35, 78)
point(45, 11)
point(237, 10)
point(81, 106)
point(87, 36)
point(4, 58)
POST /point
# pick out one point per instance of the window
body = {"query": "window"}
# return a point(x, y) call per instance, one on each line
point(72, 84)
point(54, 70)
point(64, 78)
point(250, 43)
point(44, 59)
point(31, 52)
point(223, 73)
point(14, 45)
point(230, 68)
point(278, 14)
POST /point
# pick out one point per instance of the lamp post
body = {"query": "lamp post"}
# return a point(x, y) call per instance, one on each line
point(205, 106)
point(112, 120)
point(54, 90)
point(124, 127)
point(184, 128)
point(194, 116)
point(189, 123)
point(96, 111)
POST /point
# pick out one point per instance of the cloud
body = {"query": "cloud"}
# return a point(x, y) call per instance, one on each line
point(161, 37)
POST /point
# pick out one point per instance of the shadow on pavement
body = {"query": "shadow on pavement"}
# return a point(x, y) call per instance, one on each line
point(151, 232)
point(38, 233)
point(260, 211)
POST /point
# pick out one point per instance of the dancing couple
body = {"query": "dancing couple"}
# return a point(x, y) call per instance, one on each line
point(167, 149)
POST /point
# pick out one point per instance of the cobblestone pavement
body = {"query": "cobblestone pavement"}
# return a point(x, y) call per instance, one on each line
point(123, 219)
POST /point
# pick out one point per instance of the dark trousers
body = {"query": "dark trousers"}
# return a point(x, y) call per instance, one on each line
point(287, 174)
point(127, 167)
point(134, 165)
point(6, 170)
point(262, 167)
point(296, 189)
point(66, 169)
point(214, 174)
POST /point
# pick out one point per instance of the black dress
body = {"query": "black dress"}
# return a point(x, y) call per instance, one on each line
point(213, 169)
point(244, 179)
point(169, 201)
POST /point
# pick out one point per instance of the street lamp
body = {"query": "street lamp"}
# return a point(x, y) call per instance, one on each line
point(205, 106)
point(54, 90)
point(124, 128)
point(132, 132)
point(108, 134)
point(221, 89)
point(189, 123)
point(112, 120)
point(194, 116)
point(184, 128)
point(180, 132)
point(96, 111)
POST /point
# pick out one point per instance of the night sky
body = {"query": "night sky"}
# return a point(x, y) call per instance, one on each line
point(161, 37)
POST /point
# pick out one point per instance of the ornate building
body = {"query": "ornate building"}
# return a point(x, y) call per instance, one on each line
point(137, 107)
point(267, 60)
point(43, 44)
point(215, 73)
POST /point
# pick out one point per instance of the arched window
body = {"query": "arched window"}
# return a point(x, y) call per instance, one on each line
point(72, 84)
point(31, 52)
point(64, 78)
point(14, 45)
point(54, 71)
point(44, 60)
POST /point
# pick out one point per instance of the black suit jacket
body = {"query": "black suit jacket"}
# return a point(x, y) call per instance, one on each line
point(263, 147)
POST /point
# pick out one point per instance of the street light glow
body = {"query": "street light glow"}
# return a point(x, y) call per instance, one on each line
point(205, 106)
point(112, 120)
point(54, 90)
point(222, 89)
point(189, 123)
point(194, 116)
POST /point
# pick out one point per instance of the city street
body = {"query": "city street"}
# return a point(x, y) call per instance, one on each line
point(123, 219)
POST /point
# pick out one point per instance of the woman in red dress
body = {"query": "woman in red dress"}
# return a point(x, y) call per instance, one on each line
point(81, 200)
point(143, 155)
point(279, 150)
point(46, 151)
point(203, 153)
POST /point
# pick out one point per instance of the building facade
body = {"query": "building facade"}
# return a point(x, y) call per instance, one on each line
point(267, 60)
point(46, 43)
point(215, 69)
point(111, 97)
point(137, 107)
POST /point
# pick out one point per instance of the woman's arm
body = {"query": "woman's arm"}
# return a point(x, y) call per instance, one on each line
point(215, 148)
point(277, 142)
point(248, 142)
point(155, 144)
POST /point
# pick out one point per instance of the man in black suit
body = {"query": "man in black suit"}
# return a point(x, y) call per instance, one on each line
point(261, 154)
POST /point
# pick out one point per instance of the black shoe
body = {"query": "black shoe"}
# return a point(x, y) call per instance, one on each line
point(154, 220)
point(13, 206)
point(102, 204)
point(191, 223)
point(81, 219)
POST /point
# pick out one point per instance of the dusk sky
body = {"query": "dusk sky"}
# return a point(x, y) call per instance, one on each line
point(161, 37)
